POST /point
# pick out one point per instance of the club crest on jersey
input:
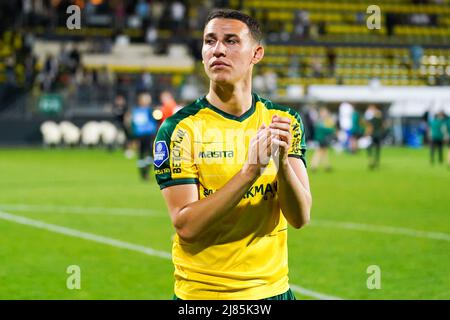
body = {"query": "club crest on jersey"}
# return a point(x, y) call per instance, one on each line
point(161, 153)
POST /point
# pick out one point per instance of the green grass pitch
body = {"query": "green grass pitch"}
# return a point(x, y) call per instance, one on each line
point(397, 217)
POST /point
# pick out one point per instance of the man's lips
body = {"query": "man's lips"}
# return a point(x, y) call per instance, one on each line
point(219, 63)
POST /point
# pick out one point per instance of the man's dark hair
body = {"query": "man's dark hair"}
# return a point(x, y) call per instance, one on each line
point(251, 23)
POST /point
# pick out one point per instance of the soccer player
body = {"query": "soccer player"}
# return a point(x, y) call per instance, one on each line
point(448, 137)
point(231, 166)
point(374, 129)
point(143, 127)
point(324, 131)
point(437, 125)
point(356, 131)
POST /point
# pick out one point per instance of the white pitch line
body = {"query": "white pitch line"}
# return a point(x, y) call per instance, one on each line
point(382, 229)
point(149, 212)
point(83, 235)
point(313, 294)
point(80, 210)
point(124, 245)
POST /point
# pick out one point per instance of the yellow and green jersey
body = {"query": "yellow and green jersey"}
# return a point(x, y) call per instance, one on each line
point(244, 255)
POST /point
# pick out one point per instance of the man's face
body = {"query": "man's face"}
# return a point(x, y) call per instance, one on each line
point(228, 50)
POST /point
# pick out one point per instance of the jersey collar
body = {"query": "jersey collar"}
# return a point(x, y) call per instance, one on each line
point(224, 114)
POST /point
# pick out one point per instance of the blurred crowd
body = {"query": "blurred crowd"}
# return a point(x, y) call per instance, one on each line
point(351, 130)
point(160, 23)
point(122, 92)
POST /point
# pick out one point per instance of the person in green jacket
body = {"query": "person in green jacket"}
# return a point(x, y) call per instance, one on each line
point(448, 136)
point(436, 131)
point(374, 129)
point(356, 131)
point(324, 130)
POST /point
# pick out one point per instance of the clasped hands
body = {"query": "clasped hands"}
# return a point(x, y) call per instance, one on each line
point(271, 141)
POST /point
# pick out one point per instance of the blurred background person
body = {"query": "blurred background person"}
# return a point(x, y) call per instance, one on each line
point(356, 131)
point(345, 123)
point(120, 110)
point(374, 130)
point(143, 127)
point(324, 131)
point(168, 105)
point(448, 138)
point(436, 132)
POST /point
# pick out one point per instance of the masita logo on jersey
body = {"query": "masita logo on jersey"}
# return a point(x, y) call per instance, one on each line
point(161, 153)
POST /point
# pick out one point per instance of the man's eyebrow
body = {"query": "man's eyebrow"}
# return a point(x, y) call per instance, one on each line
point(227, 35)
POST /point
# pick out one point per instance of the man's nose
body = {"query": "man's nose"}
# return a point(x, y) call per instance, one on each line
point(219, 49)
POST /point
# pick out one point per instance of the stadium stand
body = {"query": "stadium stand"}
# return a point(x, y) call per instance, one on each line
point(133, 46)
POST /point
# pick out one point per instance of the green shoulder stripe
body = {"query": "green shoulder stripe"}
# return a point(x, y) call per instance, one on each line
point(176, 182)
point(161, 162)
point(270, 105)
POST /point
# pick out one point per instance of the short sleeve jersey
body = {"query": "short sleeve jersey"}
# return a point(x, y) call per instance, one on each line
point(243, 256)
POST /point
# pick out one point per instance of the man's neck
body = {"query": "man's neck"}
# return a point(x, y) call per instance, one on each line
point(232, 99)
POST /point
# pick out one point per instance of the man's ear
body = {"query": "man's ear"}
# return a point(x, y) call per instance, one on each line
point(258, 54)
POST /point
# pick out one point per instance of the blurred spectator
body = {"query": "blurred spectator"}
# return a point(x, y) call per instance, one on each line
point(423, 126)
point(301, 24)
point(190, 89)
point(11, 78)
point(177, 14)
point(145, 82)
point(447, 123)
point(151, 35)
point(416, 54)
point(294, 66)
point(49, 73)
point(356, 131)
point(317, 67)
point(63, 56)
point(119, 14)
point(420, 19)
point(360, 18)
point(322, 28)
point(374, 130)
point(143, 127)
point(345, 122)
point(30, 70)
point(311, 117)
point(168, 105)
point(120, 110)
point(258, 84)
point(391, 20)
point(271, 82)
point(198, 19)
point(331, 57)
point(284, 34)
point(156, 12)
point(324, 130)
point(143, 10)
point(273, 29)
point(437, 127)
point(27, 10)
